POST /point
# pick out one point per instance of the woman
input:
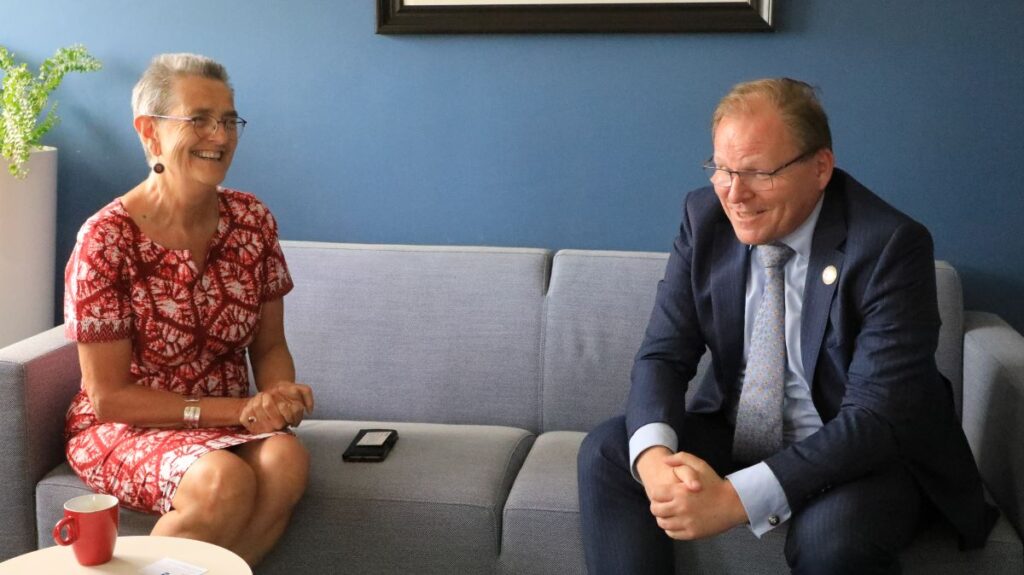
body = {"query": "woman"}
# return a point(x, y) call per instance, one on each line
point(168, 288)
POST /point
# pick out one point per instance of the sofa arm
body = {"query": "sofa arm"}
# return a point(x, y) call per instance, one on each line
point(38, 377)
point(994, 407)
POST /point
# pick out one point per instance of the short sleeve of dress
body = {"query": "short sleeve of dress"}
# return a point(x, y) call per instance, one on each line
point(278, 280)
point(97, 294)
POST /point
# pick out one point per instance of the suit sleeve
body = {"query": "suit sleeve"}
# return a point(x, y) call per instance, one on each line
point(892, 382)
point(672, 344)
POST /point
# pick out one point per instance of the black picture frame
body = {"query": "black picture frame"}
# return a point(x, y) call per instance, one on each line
point(550, 16)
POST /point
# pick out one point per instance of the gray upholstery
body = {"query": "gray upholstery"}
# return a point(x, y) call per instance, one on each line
point(950, 353)
point(401, 322)
point(993, 420)
point(38, 378)
point(541, 525)
point(492, 374)
point(434, 506)
point(597, 310)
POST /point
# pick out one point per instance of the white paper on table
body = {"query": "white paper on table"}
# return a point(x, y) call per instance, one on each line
point(167, 566)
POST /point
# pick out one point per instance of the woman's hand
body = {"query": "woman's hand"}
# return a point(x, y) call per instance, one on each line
point(284, 404)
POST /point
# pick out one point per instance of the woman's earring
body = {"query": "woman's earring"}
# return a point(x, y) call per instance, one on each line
point(158, 168)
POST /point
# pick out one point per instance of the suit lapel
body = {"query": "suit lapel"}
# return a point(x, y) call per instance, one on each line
point(829, 235)
point(728, 288)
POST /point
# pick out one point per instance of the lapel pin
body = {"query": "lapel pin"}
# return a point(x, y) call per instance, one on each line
point(829, 275)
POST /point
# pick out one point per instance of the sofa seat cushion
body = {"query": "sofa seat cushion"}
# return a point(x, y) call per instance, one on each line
point(542, 532)
point(433, 506)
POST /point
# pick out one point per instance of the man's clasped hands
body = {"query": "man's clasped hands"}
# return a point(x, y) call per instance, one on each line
point(688, 498)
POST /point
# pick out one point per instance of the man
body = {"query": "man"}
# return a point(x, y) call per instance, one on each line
point(817, 302)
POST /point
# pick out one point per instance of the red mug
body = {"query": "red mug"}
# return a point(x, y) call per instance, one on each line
point(91, 525)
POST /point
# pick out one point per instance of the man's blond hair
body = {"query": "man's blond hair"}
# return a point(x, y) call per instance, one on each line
point(796, 101)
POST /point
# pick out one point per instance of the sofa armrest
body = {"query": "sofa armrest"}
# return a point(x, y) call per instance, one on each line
point(994, 408)
point(38, 377)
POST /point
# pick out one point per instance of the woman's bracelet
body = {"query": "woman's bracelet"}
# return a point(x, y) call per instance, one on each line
point(192, 411)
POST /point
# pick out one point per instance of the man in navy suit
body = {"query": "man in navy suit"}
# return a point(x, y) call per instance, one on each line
point(869, 437)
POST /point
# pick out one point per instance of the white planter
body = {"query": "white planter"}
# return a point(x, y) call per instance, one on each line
point(28, 239)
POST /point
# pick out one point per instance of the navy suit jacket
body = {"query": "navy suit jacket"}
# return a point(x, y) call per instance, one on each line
point(868, 344)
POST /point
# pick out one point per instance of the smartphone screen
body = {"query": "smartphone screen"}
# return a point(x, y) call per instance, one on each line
point(374, 438)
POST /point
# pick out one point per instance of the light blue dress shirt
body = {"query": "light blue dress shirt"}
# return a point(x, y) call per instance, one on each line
point(758, 489)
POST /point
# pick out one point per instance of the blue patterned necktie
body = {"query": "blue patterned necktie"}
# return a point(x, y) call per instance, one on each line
point(759, 413)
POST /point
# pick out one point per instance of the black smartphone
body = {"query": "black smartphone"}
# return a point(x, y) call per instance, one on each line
point(371, 445)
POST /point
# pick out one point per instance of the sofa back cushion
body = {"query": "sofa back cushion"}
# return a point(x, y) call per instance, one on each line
point(950, 354)
point(597, 310)
point(598, 306)
point(418, 333)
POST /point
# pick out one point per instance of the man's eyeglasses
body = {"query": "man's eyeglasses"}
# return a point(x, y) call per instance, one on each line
point(206, 126)
point(755, 180)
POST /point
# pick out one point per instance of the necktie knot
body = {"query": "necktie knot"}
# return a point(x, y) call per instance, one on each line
point(774, 255)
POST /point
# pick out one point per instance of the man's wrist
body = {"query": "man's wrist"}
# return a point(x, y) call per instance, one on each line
point(738, 513)
point(649, 458)
point(646, 437)
point(761, 496)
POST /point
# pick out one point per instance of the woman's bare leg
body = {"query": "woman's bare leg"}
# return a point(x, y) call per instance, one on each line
point(281, 467)
point(214, 502)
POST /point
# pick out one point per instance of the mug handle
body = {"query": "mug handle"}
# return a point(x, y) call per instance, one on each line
point(72, 526)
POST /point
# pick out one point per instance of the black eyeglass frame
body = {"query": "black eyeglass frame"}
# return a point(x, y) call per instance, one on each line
point(711, 169)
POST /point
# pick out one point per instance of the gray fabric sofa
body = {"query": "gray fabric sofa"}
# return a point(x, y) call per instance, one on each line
point(492, 363)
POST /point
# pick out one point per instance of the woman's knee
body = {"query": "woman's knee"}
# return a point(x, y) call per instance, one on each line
point(283, 460)
point(221, 485)
point(285, 452)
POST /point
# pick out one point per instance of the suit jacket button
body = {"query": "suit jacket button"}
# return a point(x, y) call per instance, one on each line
point(773, 520)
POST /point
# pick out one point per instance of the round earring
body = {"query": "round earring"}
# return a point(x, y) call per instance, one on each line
point(158, 168)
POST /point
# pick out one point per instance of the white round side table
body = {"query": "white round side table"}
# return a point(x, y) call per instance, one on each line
point(131, 554)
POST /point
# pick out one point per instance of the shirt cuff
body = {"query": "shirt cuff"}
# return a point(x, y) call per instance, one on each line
point(762, 497)
point(649, 436)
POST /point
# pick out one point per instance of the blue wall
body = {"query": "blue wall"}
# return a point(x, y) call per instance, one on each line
point(583, 141)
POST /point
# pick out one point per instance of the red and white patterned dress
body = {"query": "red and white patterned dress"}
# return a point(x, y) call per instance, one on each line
point(189, 335)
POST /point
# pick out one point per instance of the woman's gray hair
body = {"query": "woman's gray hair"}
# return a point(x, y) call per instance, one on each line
point(152, 94)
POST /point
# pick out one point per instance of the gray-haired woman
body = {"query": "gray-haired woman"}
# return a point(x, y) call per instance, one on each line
point(168, 288)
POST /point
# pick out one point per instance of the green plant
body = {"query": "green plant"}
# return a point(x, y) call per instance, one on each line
point(23, 99)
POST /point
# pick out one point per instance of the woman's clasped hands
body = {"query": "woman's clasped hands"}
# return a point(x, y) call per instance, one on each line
point(279, 406)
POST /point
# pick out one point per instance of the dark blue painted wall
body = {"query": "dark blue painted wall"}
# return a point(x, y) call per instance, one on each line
point(582, 141)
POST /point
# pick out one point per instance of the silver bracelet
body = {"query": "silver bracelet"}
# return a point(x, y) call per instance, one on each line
point(192, 412)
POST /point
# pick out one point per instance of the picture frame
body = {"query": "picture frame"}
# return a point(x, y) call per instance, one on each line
point(572, 16)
